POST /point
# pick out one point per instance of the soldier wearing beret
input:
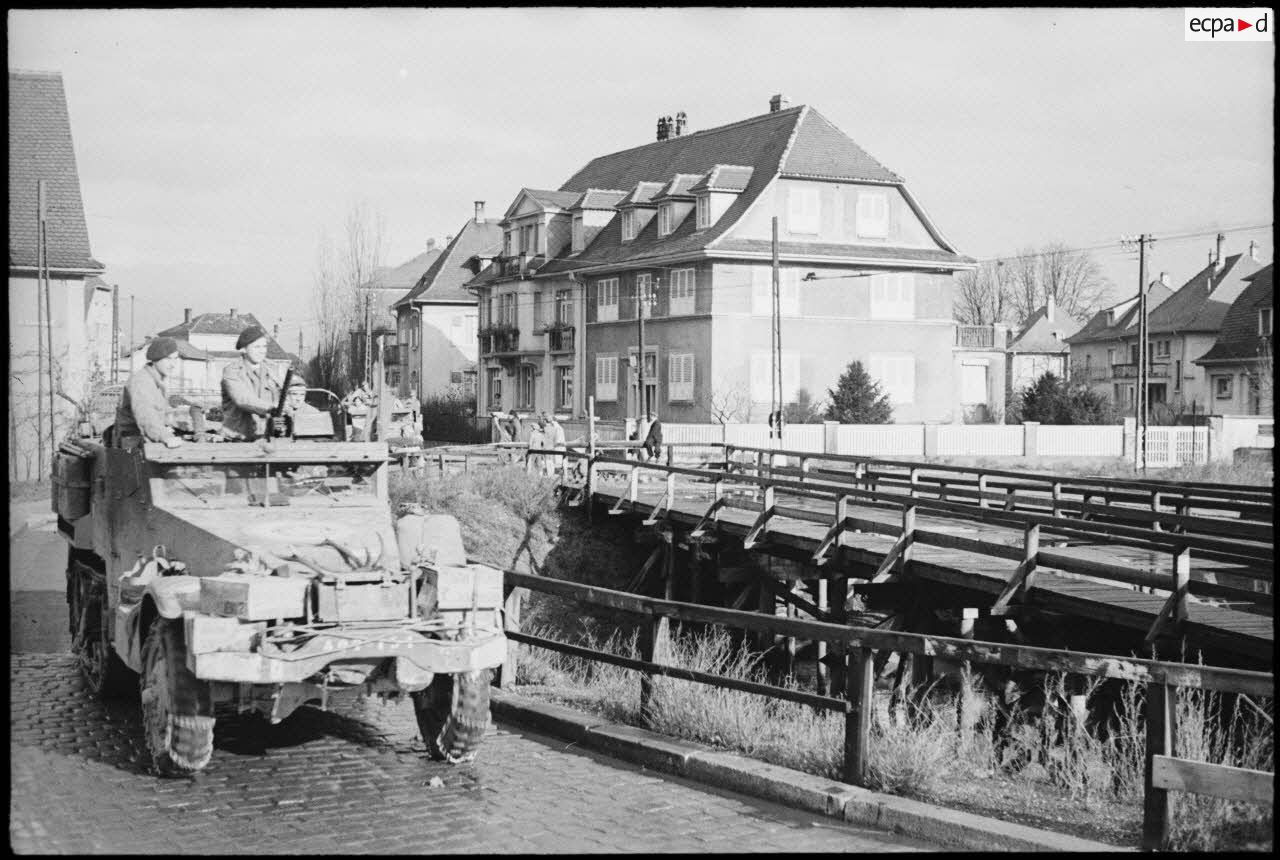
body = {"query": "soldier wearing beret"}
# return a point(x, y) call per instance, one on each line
point(249, 392)
point(144, 407)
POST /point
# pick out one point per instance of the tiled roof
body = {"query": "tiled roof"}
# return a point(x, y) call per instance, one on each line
point(405, 275)
point(1238, 339)
point(823, 150)
point(444, 280)
point(223, 324)
point(41, 148)
point(1037, 334)
point(1201, 303)
point(642, 194)
point(1126, 317)
point(678, 186)
point(744, 156)
point(758, 141)
point(598, 198)
point(725, 177)
point(560, 199)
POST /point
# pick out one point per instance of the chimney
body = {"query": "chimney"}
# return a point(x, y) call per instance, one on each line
point(1048, 314)
point(186, 313)
point(233, 313)
point(431, 243)
point(479, 211)
point(682, 120)
point(275, 331)
point(1253, 250)
point(664, 128)
point(1217, 257)
point(1164, 278)
point(778, 102)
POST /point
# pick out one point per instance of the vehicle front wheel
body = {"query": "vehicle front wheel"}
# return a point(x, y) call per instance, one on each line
point(453, 714)
point(177, 710)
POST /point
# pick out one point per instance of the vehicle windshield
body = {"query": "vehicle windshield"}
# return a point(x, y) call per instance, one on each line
point(249, 484)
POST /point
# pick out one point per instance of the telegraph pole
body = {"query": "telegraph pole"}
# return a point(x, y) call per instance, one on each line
point(40, 328)
point(775, 355)
point(642, 411)
point(1140, 393)
point(132, 342)
point(115, 333)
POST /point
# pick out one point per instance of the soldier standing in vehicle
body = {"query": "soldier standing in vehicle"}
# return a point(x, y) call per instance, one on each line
point(249, 391)
point(295, 397)
point(143, 413)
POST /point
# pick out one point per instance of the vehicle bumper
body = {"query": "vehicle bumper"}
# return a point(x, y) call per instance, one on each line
point(415, 654)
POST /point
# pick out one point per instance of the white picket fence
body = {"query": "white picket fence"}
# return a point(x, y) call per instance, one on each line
point(1080, 441)
point(1166, 446)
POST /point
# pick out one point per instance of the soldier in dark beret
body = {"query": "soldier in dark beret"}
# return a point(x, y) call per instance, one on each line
point(144, 407)
point(249, 391)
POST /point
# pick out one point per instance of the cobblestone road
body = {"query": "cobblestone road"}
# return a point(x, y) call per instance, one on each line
point(358, 781)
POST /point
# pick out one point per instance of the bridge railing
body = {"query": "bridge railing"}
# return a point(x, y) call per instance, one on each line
point(1177, 585)
point(1164, 770)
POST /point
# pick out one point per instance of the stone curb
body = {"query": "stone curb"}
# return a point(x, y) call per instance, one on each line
point(948, 827)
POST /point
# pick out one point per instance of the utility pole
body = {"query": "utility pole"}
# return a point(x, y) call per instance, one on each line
point(775, 347)
point(1140, 393)
point(641, 301)
point(40, 327)
point(132, 342)
point(115, 333)
point(368, 339)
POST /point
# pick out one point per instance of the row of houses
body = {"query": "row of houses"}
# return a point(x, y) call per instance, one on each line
point(546, 306)
point(1208, 342)
point(675, 237)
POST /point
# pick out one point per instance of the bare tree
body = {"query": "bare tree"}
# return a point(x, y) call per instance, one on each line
point(983, 295)
point(727, 402)
point(1010, 291)
point(1072, 278)
point(343, 271)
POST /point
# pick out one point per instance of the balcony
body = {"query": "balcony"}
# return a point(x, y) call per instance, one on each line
point(559, 337)
point(1155, 370)
point(498, 339)
point(979, 337)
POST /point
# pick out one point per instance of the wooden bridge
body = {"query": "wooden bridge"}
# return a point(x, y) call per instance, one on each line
point(1178, 567)
point(1181, 568)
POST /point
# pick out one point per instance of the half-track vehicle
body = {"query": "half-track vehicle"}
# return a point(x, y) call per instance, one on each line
point(264, 576)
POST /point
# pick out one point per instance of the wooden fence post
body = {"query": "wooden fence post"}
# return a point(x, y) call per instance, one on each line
point(1161, 728)
point(506, 674)
point(654, 644)
point(860, 693)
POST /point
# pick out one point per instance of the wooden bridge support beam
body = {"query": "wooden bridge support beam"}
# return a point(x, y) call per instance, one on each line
point(839, 615)
point(820, 658)
point(1161, 728)
point(860, 692)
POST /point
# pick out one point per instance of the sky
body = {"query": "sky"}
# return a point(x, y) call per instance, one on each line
point(216, 146)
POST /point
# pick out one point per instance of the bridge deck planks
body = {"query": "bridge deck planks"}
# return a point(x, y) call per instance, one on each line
point(1224, 627)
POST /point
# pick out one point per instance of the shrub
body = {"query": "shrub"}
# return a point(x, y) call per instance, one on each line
point(803, 410)
point(858, 399)
point(451, 418)
point(1051, 400)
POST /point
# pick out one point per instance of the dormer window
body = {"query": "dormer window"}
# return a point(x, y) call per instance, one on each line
point(1264, 322)
point(704, 212)
point(873, 215)
point(666, 215)
point(629, 221)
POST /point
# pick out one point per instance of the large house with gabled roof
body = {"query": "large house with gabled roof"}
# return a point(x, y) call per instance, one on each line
point(436, 321)
point(681, 229)
point(44, 187)
point(1241, 363)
